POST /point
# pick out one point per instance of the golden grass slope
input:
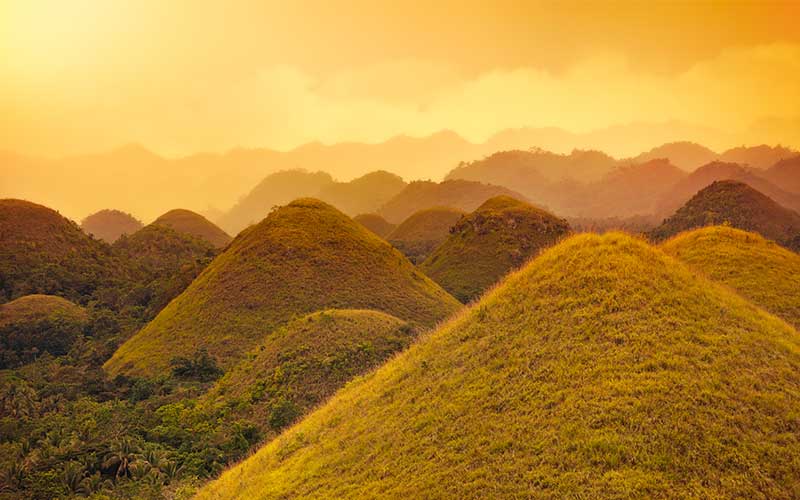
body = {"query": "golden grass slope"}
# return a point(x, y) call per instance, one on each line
point(194, 224)
point(758, 269)
point(38, 307)
point(304, 257)
point(603, 369)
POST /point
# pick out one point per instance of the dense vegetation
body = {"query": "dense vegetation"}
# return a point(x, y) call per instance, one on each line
point(304, 257)
point(605, 368)
point(375, 223)
point(194, 224)
point(420, 234)
point(501, 235)
point(108, 225)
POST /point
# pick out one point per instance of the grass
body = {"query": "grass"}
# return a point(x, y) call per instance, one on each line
point(484, 246)
point(375, 223)
point(306, 256)
point(759, 270)
point(420, 234)
point(304, 363)
point(37, 307)
point(194, 224)
point(603, 369)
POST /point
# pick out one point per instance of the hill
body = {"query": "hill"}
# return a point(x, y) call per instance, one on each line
point(375, 223)
point(785, 174)
point(420, 234)
point(604, 369)
point(719, 171)
point(460, 194)
point(194, 224)
point(485, 245)
point(759, 270)
point(109, 225)
point(737, 204)
point(683, 154)
point(304, 257)
point(762, 156)
point(302, 364)
point(363, 195)
point(34, 324)
point(274, 190)
point(42, 252)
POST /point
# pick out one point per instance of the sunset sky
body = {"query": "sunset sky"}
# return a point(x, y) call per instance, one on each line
point(187, 76)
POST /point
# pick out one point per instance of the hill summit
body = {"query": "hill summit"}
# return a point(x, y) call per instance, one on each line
point(737, 204)
point(499, 236)
point(304, 257)
point(194, 224)
point(420, 234)
point(603, 369)
point(108, 225)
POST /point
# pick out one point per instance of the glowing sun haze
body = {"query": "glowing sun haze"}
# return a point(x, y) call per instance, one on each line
point(187, 76)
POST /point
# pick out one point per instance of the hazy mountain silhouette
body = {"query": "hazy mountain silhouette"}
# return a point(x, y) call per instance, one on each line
point(425, 230)
point(108, 225)
point(365, 194)
point(685, 155)
point(194, 224)
point(786, 174)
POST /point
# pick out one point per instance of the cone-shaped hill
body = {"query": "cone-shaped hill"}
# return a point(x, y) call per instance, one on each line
point(194, 224)
point(303, 364)
point(604, 369)
point(304, 257)
point(33, 324)
point(786, 174)
point(737, 204)
point(420, 234)
point(484, 246)
point(375, 223)
point(43, 252)
point(758, 269)
point(364, 194)
point(109, 225)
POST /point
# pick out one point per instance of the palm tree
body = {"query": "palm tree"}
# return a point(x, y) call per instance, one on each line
point(12, 478)
point(120, 456)
point(72, 476)
point(18, 400)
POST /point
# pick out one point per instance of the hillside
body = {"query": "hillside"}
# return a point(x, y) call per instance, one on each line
point(375, 223)
point(460, 194)
point(302, 364)
point(420, 234)
point(194, 224)
point(34, 324)
point(108, 225)
point(736, 204)
point(274, 190)
point(683, 154)
point(43, 252)
point(759, 270)
point(362, 195)
point(762, 156)
point(603, 369)
point(501, 235)
point(786, 174)
point(304, 257)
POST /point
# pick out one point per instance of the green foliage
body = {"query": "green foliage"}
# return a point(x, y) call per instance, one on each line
point(202, 367)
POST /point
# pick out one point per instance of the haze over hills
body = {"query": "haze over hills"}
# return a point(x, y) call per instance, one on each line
point(737, 204)
point(364, 194)
point(685, 155)
point(761, 271)
point(603, 353)
point(423, 231)
point(498, 237)
point(108, 224)
point(303, 257)
point(193, 224)
point(786, 174)
point(375, 223)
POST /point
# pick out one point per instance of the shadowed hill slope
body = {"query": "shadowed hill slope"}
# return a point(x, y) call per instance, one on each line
point(303, 363)
point(375, 223)
point(761, 156)
point(604, 369)
point(194, 224)
point(631, 190)
point(759, 270)
point(685, 155)
point(365, 194)
point(786, 174)
point(460, 194)
point(425, 230)
point(737, 204)
point(43, 252)
point(108, 225)
point(304, 257)
point(485, 245)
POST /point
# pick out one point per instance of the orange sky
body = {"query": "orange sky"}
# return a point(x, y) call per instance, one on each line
point(185, 76)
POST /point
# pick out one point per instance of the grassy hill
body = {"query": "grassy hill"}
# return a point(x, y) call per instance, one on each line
point(375, 223)
point(34, 324)
point(759, 270)
point(364, 194)
point(304, 257)
point(737, 204)
point(420, 234)
point(43, 252)
point(460, 194)
point(785, 174)
point(302, 364)
point(194, 224)
point(274, 190)
point(485, 245)
point(109, 225)
point(604, 369)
